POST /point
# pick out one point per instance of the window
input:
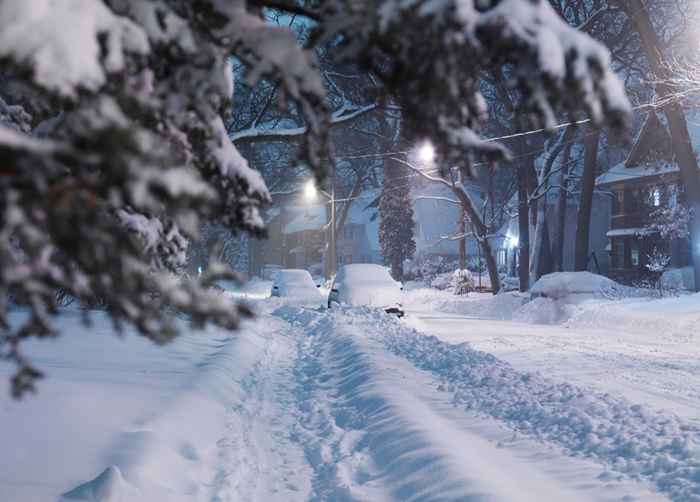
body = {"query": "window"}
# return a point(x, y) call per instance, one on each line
point(634, 255)
point(655, 197)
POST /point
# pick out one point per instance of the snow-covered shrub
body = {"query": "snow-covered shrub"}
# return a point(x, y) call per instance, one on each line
point(462, 282)
point(128, 110)
point(442, 281)
point(657, 263)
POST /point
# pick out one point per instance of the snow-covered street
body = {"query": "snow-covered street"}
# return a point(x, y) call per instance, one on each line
point(646, 351)
point(354, 404)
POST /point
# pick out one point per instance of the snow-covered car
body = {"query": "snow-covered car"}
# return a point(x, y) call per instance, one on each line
point(365, 284)
point(297, 285)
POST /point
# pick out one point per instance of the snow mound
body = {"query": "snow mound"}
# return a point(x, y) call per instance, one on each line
point(107, 487)
point(679, 279)
point(678, 317)
point(574, 286)
point(539, 311)
point(487, 306)
point(482, 305)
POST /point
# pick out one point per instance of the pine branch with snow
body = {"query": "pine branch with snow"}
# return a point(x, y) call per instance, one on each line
point(123, 153)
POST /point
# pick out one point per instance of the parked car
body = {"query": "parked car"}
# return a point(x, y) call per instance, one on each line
point(297, 285)
point(365, 284)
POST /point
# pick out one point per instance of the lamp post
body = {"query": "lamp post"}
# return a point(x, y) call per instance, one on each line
point(310, 192)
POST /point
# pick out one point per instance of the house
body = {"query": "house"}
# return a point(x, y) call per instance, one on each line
point(297, 237)
point(645, 182)
point(358, 239)
point(506, 241)
point(437, 221)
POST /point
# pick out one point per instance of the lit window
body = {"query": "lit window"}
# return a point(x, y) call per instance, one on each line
point(635, 257)
point(656, 197)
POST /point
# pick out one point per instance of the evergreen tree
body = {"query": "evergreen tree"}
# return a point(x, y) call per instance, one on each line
point(114, 149)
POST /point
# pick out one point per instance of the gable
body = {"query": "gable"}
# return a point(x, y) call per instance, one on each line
point(652, 145)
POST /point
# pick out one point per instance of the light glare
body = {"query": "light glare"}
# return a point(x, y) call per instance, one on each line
point(310, 190)
point(426, 153)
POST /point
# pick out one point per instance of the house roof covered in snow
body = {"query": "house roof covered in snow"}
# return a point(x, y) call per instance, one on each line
point(652, 155)
point(304, 218)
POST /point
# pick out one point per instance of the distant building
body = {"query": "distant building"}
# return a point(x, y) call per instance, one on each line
point(647, 181)
point(297, 238)
point(436, 223)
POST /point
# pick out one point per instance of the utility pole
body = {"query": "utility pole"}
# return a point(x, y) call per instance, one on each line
point(462, 240)
point(332, 244)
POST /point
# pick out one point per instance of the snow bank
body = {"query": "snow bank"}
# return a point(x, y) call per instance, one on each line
point(679, 279)
point(678, 317)
point(121, 419)
point(482, 305)
point(539, 311)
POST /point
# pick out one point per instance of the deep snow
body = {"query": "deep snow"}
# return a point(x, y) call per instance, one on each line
point(353, 404)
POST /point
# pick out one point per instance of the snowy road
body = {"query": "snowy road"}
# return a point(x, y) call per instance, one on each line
point(348, 405)
point(652, 367)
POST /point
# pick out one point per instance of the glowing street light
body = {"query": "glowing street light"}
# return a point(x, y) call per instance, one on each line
point(426, 153)
point(310, 190)
point(512, 241)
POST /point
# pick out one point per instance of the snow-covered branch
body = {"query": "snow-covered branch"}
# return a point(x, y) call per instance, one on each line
point(262, 133)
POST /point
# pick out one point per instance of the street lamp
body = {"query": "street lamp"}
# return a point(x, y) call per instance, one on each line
point(426, 153)
point(310, 191)
point(310, 194)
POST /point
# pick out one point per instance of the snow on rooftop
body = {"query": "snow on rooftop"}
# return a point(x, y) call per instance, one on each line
point(305, 218)
point(620, 173)
point(626, 232)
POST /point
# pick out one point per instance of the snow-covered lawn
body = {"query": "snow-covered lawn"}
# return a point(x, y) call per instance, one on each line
point(352, 404)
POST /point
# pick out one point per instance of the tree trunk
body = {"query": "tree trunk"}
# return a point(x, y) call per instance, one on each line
point(583, 227)
point(560, 233)
point(546, 265)
point(523, 229)
point(481, 231)
point(685, 156)
point(542, 245)
point(688, 165)
point(462, 241)
point(535, 271)
point(397, 268)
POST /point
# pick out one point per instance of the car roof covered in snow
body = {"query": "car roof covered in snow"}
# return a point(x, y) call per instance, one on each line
point(562, 284)
point(289, 275)
point(364, 272)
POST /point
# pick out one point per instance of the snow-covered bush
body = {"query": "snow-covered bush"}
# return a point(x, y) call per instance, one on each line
point(462, 282)
point(442, 281)
point(656, 265)
point(119, 149)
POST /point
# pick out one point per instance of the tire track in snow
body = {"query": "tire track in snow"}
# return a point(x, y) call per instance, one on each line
point(371, 434)
point(629, 439)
